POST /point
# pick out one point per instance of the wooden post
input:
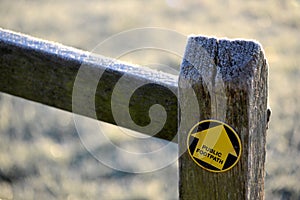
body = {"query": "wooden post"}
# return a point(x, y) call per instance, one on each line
point(229, 80)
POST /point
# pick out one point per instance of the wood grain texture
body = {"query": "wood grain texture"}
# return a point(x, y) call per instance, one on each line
point(230, 81)
point(46, 72)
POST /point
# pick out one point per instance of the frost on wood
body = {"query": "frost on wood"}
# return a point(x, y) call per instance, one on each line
point(46, 72)
point(229, 78)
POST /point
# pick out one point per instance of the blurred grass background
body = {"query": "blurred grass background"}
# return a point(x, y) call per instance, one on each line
point(41, 156)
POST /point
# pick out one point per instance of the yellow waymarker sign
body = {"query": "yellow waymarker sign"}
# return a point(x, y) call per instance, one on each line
point(216, 147)
point(213, 146)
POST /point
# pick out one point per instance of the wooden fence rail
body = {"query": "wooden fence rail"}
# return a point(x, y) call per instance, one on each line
point(222, 86)
point(45, 72)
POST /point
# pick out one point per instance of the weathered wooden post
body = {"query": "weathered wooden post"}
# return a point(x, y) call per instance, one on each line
point(229, 81)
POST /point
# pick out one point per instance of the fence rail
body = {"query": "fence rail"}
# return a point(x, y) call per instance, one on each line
point(45, 72)
point(223, 80)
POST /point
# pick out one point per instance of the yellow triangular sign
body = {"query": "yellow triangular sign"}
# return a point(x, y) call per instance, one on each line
point(213, 146)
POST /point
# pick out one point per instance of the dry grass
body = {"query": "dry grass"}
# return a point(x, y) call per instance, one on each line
point(40, 151)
